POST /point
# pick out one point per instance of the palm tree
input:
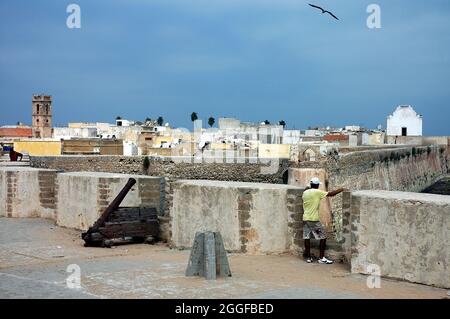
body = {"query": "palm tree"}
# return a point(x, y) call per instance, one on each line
point(160, 121)
point(194, 117)
point(266, 122)
point(282, 123)
point(211, 121)
point(118, 118)
point(148, 119)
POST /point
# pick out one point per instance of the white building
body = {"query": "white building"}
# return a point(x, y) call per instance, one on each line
point(317, 133)
point(68, 133)
point(234, 129)
point(122, 122)
point(130, 148)
point(353, 128)
point(404, 122)
point(226, 123)
point(292, 136)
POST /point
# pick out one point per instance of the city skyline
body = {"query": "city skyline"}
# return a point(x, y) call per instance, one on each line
point(252, 60)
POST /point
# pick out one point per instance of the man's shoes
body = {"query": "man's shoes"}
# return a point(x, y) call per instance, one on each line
point(309, 260)
point(325, 261)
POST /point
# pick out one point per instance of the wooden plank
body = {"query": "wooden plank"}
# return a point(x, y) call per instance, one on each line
point(127, 222)
point(133, 213)
point(131, 229)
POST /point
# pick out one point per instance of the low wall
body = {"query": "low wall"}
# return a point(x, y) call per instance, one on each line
point(172, 168)
point(73, 200)
point(253, 218)
point(83, 196)
point(26, 192)
point(419, 140)
point(240, 169)
point(405, 234)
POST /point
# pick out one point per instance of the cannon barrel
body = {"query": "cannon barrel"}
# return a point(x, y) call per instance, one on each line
point(113, 206)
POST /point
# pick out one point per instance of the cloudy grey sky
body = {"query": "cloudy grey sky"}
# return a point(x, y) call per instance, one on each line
point(251, 59)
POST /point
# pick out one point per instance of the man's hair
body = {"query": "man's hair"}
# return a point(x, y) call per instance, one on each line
point(315, 186)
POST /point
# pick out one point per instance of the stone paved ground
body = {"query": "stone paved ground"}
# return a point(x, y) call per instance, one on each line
point(34, 255)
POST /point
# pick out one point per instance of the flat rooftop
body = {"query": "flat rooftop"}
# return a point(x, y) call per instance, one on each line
point(35, 254)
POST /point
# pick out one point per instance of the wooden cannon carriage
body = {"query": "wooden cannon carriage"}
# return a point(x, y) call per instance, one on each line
point(140, 224)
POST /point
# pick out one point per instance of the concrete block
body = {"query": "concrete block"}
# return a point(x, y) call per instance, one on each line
point(83, 196)
point(405, 234)
point(260, 226)
point(208, 257)
point(27, 192)
point(196, 259)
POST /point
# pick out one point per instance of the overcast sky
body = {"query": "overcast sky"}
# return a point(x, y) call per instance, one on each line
point(250, 59)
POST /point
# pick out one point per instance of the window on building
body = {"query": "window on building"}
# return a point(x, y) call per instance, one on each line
point(37, 108)
point(46, 109)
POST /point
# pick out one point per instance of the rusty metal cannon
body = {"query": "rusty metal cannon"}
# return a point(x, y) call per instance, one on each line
point(136, 223)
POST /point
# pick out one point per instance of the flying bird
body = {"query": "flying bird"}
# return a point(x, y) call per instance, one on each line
point(323, 11)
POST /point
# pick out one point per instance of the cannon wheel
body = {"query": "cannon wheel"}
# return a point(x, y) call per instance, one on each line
point(107, 243)
point(150, 240)
point(138, 239)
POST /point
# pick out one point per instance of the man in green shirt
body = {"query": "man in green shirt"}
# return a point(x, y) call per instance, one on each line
point(311, 221)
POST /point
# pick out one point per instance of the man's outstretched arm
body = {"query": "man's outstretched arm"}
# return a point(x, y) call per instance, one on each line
point(335, 192)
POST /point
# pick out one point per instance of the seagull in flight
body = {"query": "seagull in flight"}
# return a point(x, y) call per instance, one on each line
point(323, 11)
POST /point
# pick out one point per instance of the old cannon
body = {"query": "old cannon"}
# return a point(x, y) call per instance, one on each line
point(136, 223)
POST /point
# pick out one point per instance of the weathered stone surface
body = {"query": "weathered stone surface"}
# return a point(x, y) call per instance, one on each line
point(83, 196)
point(405, 234)
point(172, 169)
point(208, 257)
point(263, 225)
point(27, 192)
point(408, 168)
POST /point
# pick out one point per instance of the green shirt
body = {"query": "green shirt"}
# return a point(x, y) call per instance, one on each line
point(311, 204)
